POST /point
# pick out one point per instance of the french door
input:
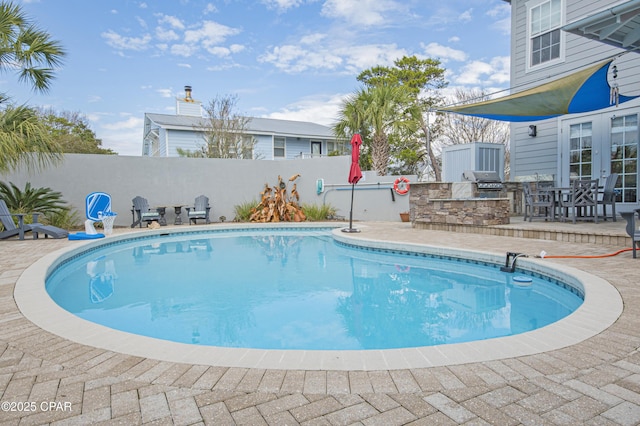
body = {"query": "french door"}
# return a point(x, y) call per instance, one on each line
point(594, 147)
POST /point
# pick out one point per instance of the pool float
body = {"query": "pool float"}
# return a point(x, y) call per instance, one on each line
point(85, 236)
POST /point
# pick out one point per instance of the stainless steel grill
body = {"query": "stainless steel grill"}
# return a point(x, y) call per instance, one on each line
point(486, 181)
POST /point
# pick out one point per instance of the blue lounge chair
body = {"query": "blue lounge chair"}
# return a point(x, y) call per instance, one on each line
point(200, 210)
point(11, 230)
point(142, 213)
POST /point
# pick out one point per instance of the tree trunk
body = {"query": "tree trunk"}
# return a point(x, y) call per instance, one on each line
point(429, 146)
point(380, 153)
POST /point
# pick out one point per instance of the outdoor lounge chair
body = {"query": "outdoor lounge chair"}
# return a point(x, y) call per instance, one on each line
point(200, 210)
point(538, 203)
point(141, 212)
point(608, 196)
point(11, 230)
point(633, 228)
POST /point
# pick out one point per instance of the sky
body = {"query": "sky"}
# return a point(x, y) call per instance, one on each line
point(285, 59)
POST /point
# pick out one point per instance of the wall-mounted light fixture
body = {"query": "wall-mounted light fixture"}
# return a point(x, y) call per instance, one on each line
point(533, 130)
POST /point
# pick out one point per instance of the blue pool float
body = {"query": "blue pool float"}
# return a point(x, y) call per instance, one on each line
point(85, 236)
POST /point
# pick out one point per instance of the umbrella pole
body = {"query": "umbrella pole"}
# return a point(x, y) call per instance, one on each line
point(350, 228)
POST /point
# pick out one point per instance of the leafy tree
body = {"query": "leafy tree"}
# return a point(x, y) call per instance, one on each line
point(423, 79)
point(225, 132)
point(72, 132)
point(32, 52)
point(378, 111)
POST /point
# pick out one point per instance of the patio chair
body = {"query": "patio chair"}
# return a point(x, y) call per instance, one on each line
point(633, 228)
point(538, 203)
point(200, 210)
point(141, 212)
point(608, 196)
point(582, 200)
point(11, 230)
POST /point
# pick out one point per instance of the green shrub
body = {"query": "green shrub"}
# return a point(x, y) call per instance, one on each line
point(320, 212)
point(45, 201)
point(243, 211)
point(65, 219)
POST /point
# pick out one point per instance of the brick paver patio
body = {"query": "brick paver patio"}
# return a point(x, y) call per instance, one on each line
point(45, 379)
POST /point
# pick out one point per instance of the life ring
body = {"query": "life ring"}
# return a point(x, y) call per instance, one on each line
point(401, 185)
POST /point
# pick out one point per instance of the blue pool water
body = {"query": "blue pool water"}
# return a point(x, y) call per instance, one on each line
point(280, 289)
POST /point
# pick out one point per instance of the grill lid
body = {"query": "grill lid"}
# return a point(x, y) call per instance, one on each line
point(481, 176)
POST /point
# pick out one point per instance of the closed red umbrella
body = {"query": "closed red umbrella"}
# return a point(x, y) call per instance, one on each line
point(355, 174)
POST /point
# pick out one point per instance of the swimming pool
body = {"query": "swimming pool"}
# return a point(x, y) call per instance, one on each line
point(601, 307)
point(300, 289)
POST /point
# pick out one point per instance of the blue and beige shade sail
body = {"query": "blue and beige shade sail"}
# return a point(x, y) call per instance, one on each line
point(583, 91)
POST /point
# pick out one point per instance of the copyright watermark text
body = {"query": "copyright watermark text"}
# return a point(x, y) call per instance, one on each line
point(24, 406)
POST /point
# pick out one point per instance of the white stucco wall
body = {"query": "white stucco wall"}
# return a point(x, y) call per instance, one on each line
point(174, 181)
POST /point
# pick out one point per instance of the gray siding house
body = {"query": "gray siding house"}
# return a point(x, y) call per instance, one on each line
point(551, 39)
point(275, 139)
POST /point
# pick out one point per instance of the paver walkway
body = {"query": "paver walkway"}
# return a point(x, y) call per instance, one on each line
point(45, 379)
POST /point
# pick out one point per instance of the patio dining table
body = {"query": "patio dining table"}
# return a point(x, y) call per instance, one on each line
point(558, 211)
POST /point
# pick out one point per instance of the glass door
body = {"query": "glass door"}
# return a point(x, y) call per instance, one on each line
point(598, 145)
point(581, 150)
point(624, 156)
point(316, 148)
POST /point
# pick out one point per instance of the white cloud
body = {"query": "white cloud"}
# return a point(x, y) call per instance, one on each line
point(494, 72)
point(165, 93)
point(184, 65)
point(124, 136)
point(502, 15)
point(166, 35)
point(466, 16)
point(444, 53)
point(359, 12)
point(219, 51)
point(210, 34)
point(185, 50)
point(321, 109)
point(236, 48)
point(210, 8)
point(282, 5)
point(126, 43)
point(313, 38)
point(129, 123)
point(172, 21)
point(352, 59)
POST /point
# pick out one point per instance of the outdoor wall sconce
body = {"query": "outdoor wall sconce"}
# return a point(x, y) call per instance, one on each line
point(533, 130)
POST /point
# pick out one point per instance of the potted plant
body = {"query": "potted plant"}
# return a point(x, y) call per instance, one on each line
point(404, 216)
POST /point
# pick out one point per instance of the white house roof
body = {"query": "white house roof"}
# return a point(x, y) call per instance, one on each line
point(618, 26)
point(256, 125)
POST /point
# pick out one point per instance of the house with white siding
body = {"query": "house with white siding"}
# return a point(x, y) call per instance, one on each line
point(551, 39)
point(274, 139)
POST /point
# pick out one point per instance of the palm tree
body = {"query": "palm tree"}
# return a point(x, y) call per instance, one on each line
point(35, 55)
point(24, 139)
point(380, 111)
point(25, 47)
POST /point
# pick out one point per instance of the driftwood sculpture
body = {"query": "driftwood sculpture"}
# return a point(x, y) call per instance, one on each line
point(279, 205)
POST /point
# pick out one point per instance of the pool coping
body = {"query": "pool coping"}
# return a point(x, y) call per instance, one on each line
point(601, 308)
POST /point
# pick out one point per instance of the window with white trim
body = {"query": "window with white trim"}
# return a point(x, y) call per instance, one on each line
point(545, 22)
point(278, 147)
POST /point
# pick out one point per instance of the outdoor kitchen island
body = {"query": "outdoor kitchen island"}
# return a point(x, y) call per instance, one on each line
point(443, 204)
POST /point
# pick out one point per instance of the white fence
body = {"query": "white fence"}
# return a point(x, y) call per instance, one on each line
point(177, 181)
